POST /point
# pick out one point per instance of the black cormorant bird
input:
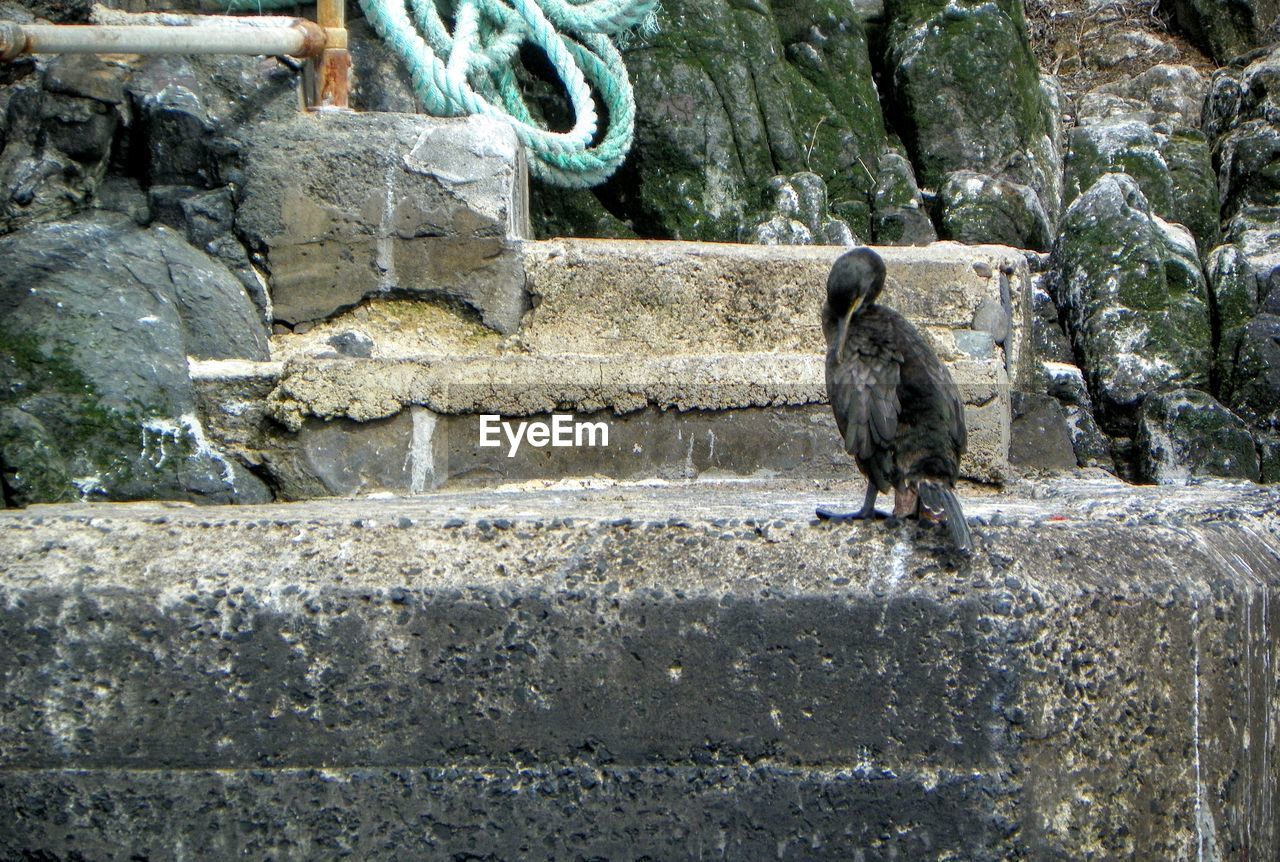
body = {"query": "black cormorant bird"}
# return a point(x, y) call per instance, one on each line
point(896, 405)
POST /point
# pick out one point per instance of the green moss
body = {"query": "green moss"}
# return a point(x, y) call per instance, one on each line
point(905, 14)
point(31, 467)
point(1124, 260)
point(572, 212)
point(1195, 186)
point(727, 98)
point(1269, 455)
point(837, 114)
point(1175, 172)
point(67, 426)
point(1094, 151)
point(1207, 439)
point(895, 179)
point(1233, 287)
point(1225, 30)
point(969, 90)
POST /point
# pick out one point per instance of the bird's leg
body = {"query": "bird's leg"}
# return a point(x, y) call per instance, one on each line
point(905, 502)
point(866, 513)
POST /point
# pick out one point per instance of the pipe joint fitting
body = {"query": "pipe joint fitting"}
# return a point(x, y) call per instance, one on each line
point(13, 41)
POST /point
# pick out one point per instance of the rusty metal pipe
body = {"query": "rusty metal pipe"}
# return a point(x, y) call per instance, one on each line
point(333, 66)
point(299, 38)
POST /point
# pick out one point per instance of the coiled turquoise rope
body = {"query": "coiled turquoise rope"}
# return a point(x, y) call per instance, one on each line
point(471, 70)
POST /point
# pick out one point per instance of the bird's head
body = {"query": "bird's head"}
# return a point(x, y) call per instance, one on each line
point(855, 281)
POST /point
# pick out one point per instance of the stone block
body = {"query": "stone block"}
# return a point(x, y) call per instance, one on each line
point(349, 206)
point(752, 412)
point(666, 341)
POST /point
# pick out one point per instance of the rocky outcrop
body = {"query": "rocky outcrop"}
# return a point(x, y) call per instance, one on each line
point(98, 319)
point(1186, 433)
point(1170, 96)
point(1240, 115)
point(969, 98)
point(1065, 382)
point(1251, 371)
point(57, 137)
point(1173, 170)
point(729, 94)
point(899, 216)
point(1134, 298)
point(978, 208)
point(1148, 127)
point(1227, 30)
point(801, 214)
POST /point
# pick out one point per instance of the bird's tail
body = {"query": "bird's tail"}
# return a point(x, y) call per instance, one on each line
point(939, 498)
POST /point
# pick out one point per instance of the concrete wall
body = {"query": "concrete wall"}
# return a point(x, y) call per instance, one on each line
point(694, 672)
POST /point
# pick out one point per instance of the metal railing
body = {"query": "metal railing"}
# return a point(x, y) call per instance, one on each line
point(323, 43)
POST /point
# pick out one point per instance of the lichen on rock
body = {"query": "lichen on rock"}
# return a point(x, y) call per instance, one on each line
point(1130, 287)
point(97, 318)
point(1186, 433)
point(969, 96)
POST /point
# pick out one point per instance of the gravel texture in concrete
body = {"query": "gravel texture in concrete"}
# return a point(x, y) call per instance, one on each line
point(656, 671)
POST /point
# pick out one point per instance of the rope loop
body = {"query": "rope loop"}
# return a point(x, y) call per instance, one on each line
point(471, 70)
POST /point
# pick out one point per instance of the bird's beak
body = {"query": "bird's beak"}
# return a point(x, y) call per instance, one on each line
point(844, 325)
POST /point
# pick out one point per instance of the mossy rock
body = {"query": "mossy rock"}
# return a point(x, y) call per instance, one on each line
point(899, 217)
point(1250, 359)
point(1174, 171)
point(1186, 433)
point(968, 94)
point(572, 212)
point(1127, 147)
point(95, 353)
point(31, 466)
point(800, 214)
point(1133, 297)
point(728, 95)
point(1227, 30)
point(978, 208)
point(1249, 165)
point(1195, 186)
point(1269, 456)
point(1232, 286)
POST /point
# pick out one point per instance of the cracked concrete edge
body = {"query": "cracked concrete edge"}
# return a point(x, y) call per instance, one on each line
point(349, 207)
point(367, 390)
point(523, 385)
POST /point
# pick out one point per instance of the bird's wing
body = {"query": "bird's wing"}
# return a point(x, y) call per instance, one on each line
point(959, 433)
point(955, 405)
point(863, 389)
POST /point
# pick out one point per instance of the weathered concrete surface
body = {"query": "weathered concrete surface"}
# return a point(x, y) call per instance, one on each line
point(613, 296)
point(655, 408)
point(644, 672)
point(616, 330)
point(346, 206)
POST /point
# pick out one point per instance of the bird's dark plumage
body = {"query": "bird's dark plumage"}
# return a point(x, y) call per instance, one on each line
point(896, 406)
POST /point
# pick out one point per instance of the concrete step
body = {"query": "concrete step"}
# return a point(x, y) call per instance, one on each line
point(668, 672)
point(696, 356)
point(640, 296)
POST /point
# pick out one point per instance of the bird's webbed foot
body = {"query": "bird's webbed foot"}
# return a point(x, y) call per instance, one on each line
point(868, 512)
point(825, 514)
